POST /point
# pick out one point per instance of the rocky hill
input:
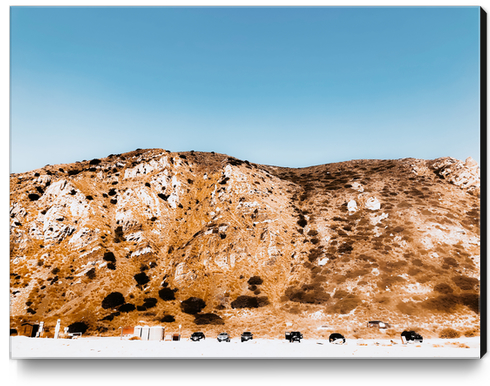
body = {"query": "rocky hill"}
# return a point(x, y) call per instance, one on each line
point(214, 243)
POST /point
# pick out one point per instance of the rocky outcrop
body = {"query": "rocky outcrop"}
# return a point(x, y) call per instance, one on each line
point(465, 175)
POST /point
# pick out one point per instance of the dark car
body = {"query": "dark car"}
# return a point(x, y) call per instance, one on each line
point(411, 337)
point(336, 338)
point(223, 337)
point(197, 336)
point(247, 335)
point(294, 336)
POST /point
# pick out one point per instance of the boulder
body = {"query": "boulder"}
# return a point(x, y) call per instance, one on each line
point(372, 203)
point(466, 176)
point(352, 206)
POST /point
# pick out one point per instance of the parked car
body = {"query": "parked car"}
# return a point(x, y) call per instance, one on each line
point(247, 335)
point(223, 337)
point(294, 336)
point(197, 336)
point(411, 337)
point(336, 338)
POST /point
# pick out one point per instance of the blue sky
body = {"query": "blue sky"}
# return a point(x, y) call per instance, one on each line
point(281, 86)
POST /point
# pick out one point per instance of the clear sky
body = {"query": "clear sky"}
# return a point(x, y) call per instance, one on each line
point(280, 86)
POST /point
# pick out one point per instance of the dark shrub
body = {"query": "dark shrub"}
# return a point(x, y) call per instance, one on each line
point(340, 294)
point(91, 274)
point(112, 192)
point(302, 222)
point(78, 327)
point(150, 302)
point(465, 283)
point(73, 172)
point(113, 201)
point(89, 197)
point(450, 261)
point(164, 197)
point(311, 293)
point(255, 280)
point(166, 294)
point(345, 248)
point(168, 319)
point(442, 303)
point(192, 305)
point(347, 304)
point(127, 307)
point(33, 197)
point(111, 266)
point(315, 254)
point(443, 288)
point(208, 319)
point(113, 300)
point(449, 333)
point(245, 301)
point(95, 161)
point(141, 278)
point(119, 235)
point(109, 256)
point(472, 301)
point(388, 281)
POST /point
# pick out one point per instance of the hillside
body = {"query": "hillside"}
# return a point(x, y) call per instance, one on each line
point(213, 243)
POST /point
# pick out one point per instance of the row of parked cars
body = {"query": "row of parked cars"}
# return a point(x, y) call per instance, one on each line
point(223, 337)
point(296, 336)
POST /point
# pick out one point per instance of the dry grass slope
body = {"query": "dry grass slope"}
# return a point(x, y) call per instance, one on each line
point(210, 242)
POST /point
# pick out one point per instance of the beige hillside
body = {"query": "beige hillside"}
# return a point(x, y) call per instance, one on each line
point(213, 243)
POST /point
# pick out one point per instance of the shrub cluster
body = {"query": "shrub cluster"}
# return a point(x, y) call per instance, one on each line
point(449, 333)
point(113, 300)
point(167, 294)
point(78, 327)
point(168, 319)
point(119, 235)
point(141, 278)
point(192, 305)
point(245, 301)
point(210, 318)
point(255, 280)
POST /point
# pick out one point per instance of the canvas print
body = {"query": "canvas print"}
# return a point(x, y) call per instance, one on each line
point(245, 182)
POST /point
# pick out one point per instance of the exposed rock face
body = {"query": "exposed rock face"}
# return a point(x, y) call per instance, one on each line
point(465, 175)
point(257, 245)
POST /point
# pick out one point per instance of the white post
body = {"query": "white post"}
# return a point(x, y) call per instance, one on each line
point(57, 329)
point(40, 331)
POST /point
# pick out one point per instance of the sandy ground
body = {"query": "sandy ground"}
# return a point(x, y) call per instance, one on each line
point(93, 347)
